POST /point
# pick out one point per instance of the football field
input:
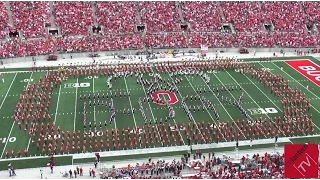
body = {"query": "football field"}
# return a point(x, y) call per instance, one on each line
point(67, 109)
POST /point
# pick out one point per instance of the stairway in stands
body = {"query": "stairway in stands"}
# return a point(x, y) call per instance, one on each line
point(51, 15)
point(9, 12)
point(95, 18)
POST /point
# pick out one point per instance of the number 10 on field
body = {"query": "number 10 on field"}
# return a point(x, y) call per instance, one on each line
point(11, 139)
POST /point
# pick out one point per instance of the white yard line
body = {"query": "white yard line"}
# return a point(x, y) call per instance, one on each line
point(75, 107)
point(94, 107)
point(172, 59)
point(181, 98)
point(30, 137)
point(174, 120)
point(55, 117)
point(254, 100)
point(218, 126)
point(7, 140)
point(155, 124)
point(28, 144)
point(302, 86)
point(202, 104)
point(221, 103)
point(134, 119)
point(8, 91)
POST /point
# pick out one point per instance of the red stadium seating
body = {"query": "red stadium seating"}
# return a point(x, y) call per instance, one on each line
point(178, 40)
point(73, 17)
point(160, 16)
point(312, 10)
point(203, 16)
point(286, 16)
point(246, 16)
point(117, 16)
point(31, 17)
point(162, 21)
point(4, 20)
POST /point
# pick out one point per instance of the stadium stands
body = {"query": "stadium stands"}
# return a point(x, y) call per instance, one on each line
point(171, 40)
point(160, 16)
point(286, 16)
point(312, 10)
point(117, 16)
point(74, 18)
point(162, 20)
point(246, 16)
point(4, 20)
point(203, 16)
point(31, 17)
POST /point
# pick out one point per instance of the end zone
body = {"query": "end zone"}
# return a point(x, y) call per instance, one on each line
point(307, 68)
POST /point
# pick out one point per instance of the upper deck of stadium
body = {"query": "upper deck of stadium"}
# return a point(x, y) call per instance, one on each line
point(138, 25)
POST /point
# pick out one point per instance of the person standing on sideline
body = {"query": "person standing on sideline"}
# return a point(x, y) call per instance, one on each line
point(78, 170)
point(95, 165)
point(90, 171)
point(70, 173)
point(41, 173)
point(75, 173)
point(10, 172)
point(81, 171)
point(93, 173)
point(13, 172)
point(2, 77)
point(51, 167)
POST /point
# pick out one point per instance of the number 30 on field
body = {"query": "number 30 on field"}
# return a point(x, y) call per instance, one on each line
point(11, 139)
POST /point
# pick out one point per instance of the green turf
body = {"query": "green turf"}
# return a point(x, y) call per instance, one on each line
point(34, 163)
point(140, 156)
point(66, 107)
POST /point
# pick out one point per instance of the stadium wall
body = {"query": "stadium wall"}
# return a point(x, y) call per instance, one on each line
point(67, 55)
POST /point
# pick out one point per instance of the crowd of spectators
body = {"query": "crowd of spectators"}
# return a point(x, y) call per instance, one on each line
point(4, 20)
point(286, 15)
point(19, 47)
point(245, 16)
point(117, 16)
point(160, 16)
point(312, 10)
point(31, 17)
point(177, 40)
point(199, 166)
point(203, 16)
point(74, 18)
point(259, 39)
point(162, 20)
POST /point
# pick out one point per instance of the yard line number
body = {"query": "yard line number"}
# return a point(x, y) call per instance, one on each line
point(26, 80)
point(91, 77)
point(90, 134)
point(76, 85)
point(255, 111)
point(11, 139)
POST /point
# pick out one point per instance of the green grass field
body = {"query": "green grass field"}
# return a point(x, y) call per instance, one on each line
point(66, 108)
